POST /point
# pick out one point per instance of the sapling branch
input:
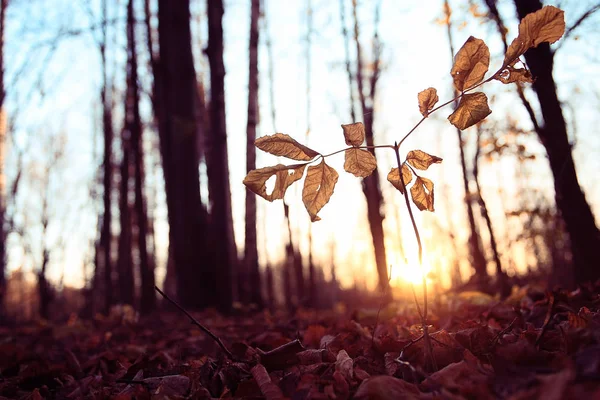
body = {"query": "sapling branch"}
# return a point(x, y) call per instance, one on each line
point(423, 315)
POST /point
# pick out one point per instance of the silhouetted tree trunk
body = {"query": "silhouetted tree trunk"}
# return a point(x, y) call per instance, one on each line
point(3, 6)
point(501, 281)
point(251, 287)
point(217, 165)
point(371, 186)
point(106, 234)
point(125, 259)
point(289, 264)
point(148, 299)
point(174, 94)
point(477, 258)
point(570, 200)
point(312, 288)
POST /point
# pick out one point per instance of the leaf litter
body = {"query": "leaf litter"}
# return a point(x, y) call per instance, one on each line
point(529, 346)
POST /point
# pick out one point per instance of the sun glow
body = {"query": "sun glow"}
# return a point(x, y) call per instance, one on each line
point(409, 273)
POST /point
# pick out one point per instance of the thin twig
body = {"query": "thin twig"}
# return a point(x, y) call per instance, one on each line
point(502, 332)
point(384, 296)
point(549, 313)
point(428, 347)
point(198, 324)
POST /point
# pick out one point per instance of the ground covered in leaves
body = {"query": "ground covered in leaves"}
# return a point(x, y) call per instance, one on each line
point(535, 344)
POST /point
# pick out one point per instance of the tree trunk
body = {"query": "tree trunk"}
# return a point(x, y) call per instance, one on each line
point(106, 234)
point(148, 298)
point(222, 244)
point(570, 200)
point(477, 258)
point(370, 184)
point(174, 103)
point(3, 5)
point(253, 288)
point(125, 260)
point(501, 280)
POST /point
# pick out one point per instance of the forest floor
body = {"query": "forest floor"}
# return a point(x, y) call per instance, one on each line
point(535, 344)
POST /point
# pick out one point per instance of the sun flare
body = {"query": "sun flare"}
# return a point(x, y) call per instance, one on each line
point(409, 273)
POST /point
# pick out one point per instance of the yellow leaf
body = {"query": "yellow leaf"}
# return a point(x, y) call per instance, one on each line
point(473, 108)
point(359, 162)
point(318, 188)
point(427, 100)
point(421, 160)
point(284, 145)
point(256, 180)
point(354, 134)
point(545, 25)
point(422, 194)
point(470, 64)
point(394, 177)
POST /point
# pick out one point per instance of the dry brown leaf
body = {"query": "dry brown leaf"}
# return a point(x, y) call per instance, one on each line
point(422, 194)
point(270, 390)
point(511, 74)
point(545, 25)
point(284, 145)
point(354, 134)
point(473, 108)
point(394, 177)
point(256, 180)
point(427, 100)
point(344, 365)
point(385, 387)
point(318, 188)
point(359, 162)
point(421, 160)
point(470, 64)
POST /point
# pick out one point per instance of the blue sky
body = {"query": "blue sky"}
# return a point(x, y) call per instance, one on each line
point(65, 89)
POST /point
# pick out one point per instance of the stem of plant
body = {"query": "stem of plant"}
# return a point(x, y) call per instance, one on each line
point(426, 338)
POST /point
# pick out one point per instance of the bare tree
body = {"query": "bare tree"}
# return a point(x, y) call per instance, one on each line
point(477, 257)
point(223, 244)
point(367, 87)
point(134, 122)
point(3, 6)
point(570, 199)
point(500, 276)
point(251, 290)
point(107, 120)
point(199, 277)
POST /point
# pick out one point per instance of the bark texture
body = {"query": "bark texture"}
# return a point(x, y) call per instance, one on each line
point(222, 243)
point(570, 199)
point(251, 287)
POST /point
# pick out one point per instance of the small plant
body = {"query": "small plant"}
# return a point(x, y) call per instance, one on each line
point(471, 64)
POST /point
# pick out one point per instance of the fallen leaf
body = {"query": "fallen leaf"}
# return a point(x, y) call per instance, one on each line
point(384, 387)
point(270, 390)
point(344, 364)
